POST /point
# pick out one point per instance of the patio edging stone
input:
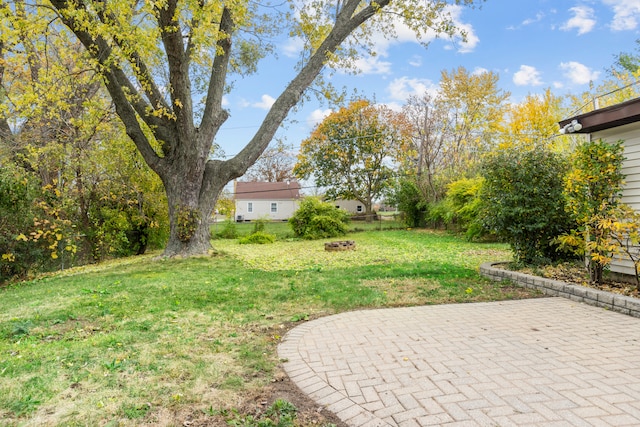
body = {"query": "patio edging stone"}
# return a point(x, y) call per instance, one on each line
point(608, 300)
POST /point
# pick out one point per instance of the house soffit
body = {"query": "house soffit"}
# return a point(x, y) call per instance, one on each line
point(607, 118)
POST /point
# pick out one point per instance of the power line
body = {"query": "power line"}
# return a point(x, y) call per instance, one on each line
point(226, 156)
point(594, 100)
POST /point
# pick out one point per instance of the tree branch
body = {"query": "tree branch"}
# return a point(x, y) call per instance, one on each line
point(139, 67)
point(5, 129)
point(214, 115)
point(346, 23)
point(178, 63)
point(115, 81)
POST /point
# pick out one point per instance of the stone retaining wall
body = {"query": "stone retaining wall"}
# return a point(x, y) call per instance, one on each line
point(608, 300)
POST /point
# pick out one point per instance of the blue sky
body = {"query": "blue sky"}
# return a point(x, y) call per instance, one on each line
point(531, 44)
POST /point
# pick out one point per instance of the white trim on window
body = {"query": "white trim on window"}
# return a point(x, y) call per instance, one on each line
point(250, 207)
point(274, 207)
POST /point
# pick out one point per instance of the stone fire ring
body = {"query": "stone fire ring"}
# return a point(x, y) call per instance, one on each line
point(343, 245)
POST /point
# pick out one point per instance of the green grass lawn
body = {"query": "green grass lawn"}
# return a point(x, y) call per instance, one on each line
point(282, 230)
point(145, 341)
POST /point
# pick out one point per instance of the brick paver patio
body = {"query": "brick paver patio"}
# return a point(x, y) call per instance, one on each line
point(537, 362)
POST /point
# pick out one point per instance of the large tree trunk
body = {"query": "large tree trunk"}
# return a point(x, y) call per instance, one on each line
point(192, 193)
point(189, 225)
point(369, 210)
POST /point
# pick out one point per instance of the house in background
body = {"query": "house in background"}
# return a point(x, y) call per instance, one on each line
point(274, 201)
point(614, 123)
point(352, 206)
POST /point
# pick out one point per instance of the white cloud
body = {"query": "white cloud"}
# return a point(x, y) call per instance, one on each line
point(265, 103)
point(382, 43)
point(415, 61)
point(394, 106)
point(582, 20)
point(626, 14)
point(364, 64)
point(578, 73)
point(527, 76)
point(372, 65)
point(478, 71)
point(406, 35)
point(317, 116)
point(529, 21)
point(538, 18)
point(472, 39)
point(292, 47)
point(401, 89)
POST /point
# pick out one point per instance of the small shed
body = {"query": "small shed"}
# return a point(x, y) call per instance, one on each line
point(614, 123)
point(274, 201)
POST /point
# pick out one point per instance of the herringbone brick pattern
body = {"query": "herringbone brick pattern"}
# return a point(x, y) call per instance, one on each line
point(538, 362)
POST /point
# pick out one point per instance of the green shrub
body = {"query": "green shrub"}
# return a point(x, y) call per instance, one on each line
point(229, 231)
point(523, 202)
point(125, 223)
point(461, 207)
point(593, 190)
point(259, 225)
point(259, 237)
point(315, 219)
point(410, 203)
point(322, 226)
point(17, 196)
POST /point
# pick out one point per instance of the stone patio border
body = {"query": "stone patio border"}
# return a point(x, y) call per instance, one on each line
point(611, 301)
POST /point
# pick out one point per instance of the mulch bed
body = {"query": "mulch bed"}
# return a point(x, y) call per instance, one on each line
point(577, 275)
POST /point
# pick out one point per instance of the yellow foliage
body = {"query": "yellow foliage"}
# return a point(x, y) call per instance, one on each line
point(532, 123)
point(9, 257)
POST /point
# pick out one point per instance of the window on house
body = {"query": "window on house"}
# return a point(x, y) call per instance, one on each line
point(274, 207)
point(359, 208)
point(249, 207)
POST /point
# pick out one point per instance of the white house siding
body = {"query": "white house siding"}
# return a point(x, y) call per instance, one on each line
point(262, 209)
point(630, 134)
point(353, 206)
point(284, 196)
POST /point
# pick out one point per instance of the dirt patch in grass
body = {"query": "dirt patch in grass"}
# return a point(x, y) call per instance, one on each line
point(309, 413)
point(255, 403)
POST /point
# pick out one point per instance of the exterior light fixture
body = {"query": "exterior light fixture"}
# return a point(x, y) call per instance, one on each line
point(572, 127)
